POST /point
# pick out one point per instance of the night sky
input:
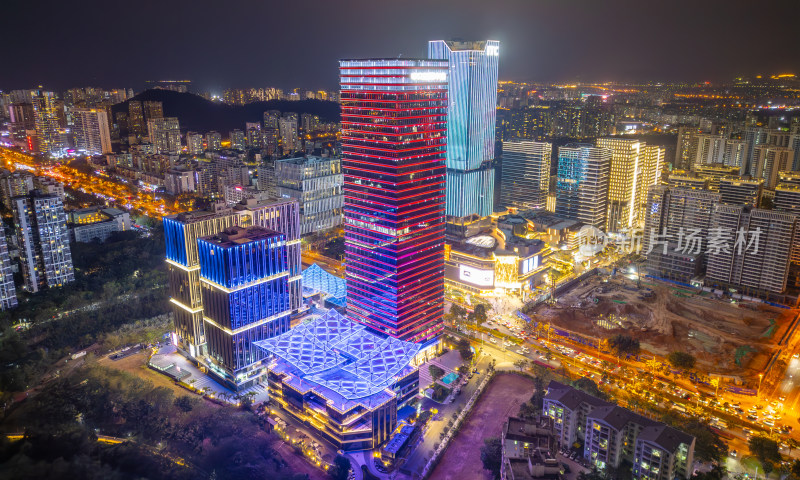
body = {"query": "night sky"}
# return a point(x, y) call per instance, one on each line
point(296, 43)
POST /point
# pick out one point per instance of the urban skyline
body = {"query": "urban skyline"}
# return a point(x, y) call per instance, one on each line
point(425, 273)
point(662, 38)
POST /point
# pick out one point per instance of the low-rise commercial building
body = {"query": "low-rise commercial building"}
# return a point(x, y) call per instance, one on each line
point(341, 379)
point(96, 224)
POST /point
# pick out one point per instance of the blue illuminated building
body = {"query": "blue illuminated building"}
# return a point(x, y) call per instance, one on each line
point(342, 379)
point(582, 185)
point(244, 283)
point(472, 95)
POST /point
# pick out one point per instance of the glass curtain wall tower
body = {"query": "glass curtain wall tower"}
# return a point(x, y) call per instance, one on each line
point(244, 285)
point(472, 95)
point(394, 138)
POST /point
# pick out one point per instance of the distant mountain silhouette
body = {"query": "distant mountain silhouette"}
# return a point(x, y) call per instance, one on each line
point(197, 114)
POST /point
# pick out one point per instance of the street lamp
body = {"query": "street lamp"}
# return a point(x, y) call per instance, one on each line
point(758, 392)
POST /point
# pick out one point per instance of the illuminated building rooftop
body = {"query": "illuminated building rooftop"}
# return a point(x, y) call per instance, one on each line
point(341, 360)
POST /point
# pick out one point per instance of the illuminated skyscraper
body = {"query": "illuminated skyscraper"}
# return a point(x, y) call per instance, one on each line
point(526, 173)
point(92, 133)
point(582, 186)
point(194, 143)
point(244, 287)
point(237, 139)
point(165, 134)
point(41, 226)
point(213, 141)
point(181, 234)
point(472, 102)
point(634, 168)
point(49, 139)
point(8, 291)
point(394, 124)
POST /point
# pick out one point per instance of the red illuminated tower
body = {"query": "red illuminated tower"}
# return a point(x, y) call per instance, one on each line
point(394, 141)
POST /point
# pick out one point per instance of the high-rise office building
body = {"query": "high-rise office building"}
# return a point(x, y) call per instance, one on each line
point(672, 216)
point(237, 140)
point(770, 160)
point(271, 132)
point(683, 149)
point(582, 186)
point(706, 148)
point(22, 119)
point(255, 137)
point(753, 271)
point(165, 134)
point(634, 168)
point(741, 191)
point(92, 133)
point(281, 215)
point(181, 234)
point(682, 178)
point(394, 177)
point(245, 293)
point(153, 110)
point(316, 183)
point(14, 184)
point(735, 153)
point(194, 143)
point(787, 198)
point(525, 174)
point(136, 124)
point(754, 136)
point(794, 144)
point(472, 103)
point(47, 119)
point(41, 227)
point(214, 141)
point(714, 173)
point(8, 291)
point(290, 137)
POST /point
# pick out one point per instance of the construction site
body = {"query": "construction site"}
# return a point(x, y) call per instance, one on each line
point(726, 337)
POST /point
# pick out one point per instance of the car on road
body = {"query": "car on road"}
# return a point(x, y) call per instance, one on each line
point(493, 340)
point(734, 453)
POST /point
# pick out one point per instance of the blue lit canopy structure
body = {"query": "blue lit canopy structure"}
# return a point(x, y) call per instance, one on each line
point(315, 279)
point(341, 360)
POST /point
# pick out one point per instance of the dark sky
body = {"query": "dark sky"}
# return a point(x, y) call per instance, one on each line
point(296, 43)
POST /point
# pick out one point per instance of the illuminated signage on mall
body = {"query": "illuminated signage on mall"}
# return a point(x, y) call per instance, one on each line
point(481, 278)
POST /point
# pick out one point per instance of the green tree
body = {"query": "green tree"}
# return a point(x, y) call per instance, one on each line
point(480, 314)
point(341, 468)
point(492, 455)
point(766, 451)
point(682, 360)
point(587, 385)
point(794, 470)
point(436, 372)
point(717, 472)
point(521, 364)
point(623, 345)
point(465, 350)
point(458, 311)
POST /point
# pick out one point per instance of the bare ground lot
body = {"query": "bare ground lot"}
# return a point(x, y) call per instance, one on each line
point(137, 365)
point(462, 460)
point(666, 318)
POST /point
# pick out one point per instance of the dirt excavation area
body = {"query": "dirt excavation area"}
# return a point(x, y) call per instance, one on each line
point(502, 399)
point(725, 337)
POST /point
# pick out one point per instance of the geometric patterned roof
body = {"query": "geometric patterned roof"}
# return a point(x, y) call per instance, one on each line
point(342, 355)
point(315, 278)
